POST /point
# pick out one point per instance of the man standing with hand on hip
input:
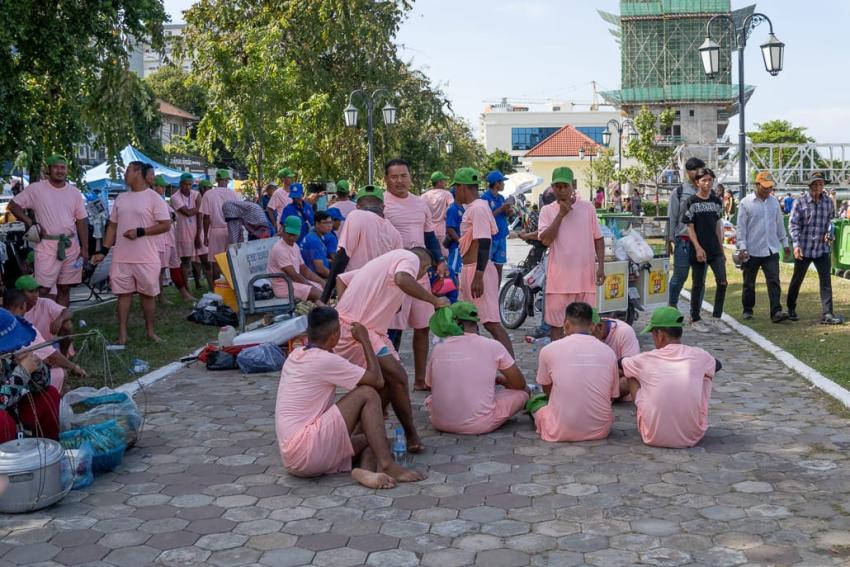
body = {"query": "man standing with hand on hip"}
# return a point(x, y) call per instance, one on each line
point(760, 237)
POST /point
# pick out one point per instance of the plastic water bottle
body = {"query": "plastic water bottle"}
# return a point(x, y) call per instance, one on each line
point(400, 447)
point(82, 324)
point(540, 341)
point(139, 366)
point(226, 336)
point(79, 263)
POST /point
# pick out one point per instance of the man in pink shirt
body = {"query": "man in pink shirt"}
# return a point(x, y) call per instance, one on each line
point(576, 265)
point(48, 317)
point(168, 258)
point(622, 340)
point(59, 227)
point(364, 236)
point(475, 383)
point(216, 237)
point(280, 198)
point(343, 200)
point(372, 296)
point(671, 385)
point(187, 233)
point(285, 257)
point(439, 199)
point(414, 221)
point(138, 216)
point(316, 436)
point(479, 281)
point(579, 375)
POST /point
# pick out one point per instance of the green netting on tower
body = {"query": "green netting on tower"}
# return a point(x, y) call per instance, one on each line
point(642, 8)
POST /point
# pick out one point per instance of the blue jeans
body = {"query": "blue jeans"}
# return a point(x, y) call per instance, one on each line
point(681, 269)
point(543, 327)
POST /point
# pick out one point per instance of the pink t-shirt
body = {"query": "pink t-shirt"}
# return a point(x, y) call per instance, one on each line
point(280, 256)
point(672, 401)
point(365, 236)
point(44, 352)
point(372, 298)
point(622, 339)
point(477, 222)
point(56, 210)
point(42, 315)
point(187, 227)
point(411, 216)
point(131, 210)
point(280, 198)
point(345, 207)
point(572, 255)
point(584, 377)
point(438, 201)
point(462, 375)
point(308, 382)
point(212, 202)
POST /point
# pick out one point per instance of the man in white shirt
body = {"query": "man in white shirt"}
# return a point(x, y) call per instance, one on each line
point(760, 237)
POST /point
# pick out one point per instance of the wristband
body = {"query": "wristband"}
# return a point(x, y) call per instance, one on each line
point(104, 250)
point(140, 231)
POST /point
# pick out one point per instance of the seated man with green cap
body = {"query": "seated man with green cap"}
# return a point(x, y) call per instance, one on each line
point(59, 227)
point(48, 317)
point(343, 200)
point(285, 257)
point(671, 385)
point(622, 340)
point(476, 386)
point(216, 236)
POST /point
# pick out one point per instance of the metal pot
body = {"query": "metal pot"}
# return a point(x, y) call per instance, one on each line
point(31, 475)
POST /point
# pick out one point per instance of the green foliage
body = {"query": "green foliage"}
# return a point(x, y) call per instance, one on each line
point(650, 209)
point(602, 170)
point(779, 132)
point(174, 85)
point(499, 160)
point(651, 157)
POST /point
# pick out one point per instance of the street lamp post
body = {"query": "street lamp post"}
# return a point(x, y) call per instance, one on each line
point(351, 115)
point(590, 150)
point(773, 53)
point(448, 145)
point(626, 126)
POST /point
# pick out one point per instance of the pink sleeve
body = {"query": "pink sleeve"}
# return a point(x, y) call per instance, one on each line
point(710, 365)
point(24, 198)
point(543, 377)
point(54, 310)
point(544, 220)
point(205, 207)
point(272, 266)
point(631, 347)
point(346, 239)
point(615, 381)
point(340, 372)
point(347, 277)
point(407, 265)
point(80, 209)
point(504, 360)
point(160, 210)
point(429, 218)
point(594, 222)
point(480, 224)
point(632, 366)
point(113, 214)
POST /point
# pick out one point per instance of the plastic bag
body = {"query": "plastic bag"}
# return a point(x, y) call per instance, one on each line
point(218, 316)
point(536, 277)
point(89, 406)
point(620, 251)
point(221, 360)
point(80, 461)
point(108, 441)
point(636, 247)
point(261, 358)
point(209, 299)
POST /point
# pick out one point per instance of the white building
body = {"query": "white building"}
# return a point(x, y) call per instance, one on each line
point(517, 128)
point(144, 60)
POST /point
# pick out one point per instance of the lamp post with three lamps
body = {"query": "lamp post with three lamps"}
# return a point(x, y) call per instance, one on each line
point(352, 114)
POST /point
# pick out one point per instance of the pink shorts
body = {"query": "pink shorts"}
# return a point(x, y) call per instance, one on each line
point(414, 314)
point(186, 248)
point(302, 291)
point(557, 303)
point(352, 351)
point(219, 239)
point(168, 257)
point(50, 271)
point(488, 303)
point(508, 403)
point(321, 447)
point(134, 278)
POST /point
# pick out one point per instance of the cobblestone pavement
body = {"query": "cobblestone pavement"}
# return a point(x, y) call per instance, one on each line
point(767, 486)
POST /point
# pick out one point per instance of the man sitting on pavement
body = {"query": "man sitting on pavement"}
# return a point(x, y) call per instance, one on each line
point(315, 435)
point(671, 385)
point(48, 317)
point(468, 393)
point(622, 340)
point(285, 257)
point(579, 376)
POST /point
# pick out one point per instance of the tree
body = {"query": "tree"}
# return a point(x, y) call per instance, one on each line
point(499, 160)
point(778, 132)
point(175, 86)
point(644, 148)
point(602, 170)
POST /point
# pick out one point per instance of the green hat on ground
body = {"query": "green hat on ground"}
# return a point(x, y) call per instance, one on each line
point(31, 257)
point(536, 402)
point(467, 176)
point(443, 323)
point(370, 191)
point(465, 311)
point(595, 318)
point(206, 183)
point(563, 175)
point(285, 172)
point(26, 283)
point(439, 176)
point(292, 225)
point(159, 181)
point(342, 186)
point(665, 318)
point(186, 177)
point(222, 174)
point(56, 159)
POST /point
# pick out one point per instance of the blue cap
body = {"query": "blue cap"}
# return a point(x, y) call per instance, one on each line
point(296, 191)
point(336, 214)
point(495, 177)
point(15, 332)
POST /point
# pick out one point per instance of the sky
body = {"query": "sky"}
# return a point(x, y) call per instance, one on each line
point(479, 51)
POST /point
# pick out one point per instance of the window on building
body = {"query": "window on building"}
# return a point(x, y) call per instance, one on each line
point(527, 138)
point(691, 113)
point(592, 132)
point(175, 129)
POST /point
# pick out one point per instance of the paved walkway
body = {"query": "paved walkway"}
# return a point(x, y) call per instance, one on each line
point(766, 486)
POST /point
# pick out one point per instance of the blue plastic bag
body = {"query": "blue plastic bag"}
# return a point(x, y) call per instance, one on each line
point(261, 358)
point(79, 466)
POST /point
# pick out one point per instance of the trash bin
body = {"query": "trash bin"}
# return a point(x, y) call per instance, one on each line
point(790, 258)
point(841, 246)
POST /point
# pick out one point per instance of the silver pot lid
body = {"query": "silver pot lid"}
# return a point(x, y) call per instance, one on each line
point(28, 454)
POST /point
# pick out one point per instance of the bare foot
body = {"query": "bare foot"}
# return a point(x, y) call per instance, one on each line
point(402, 474)
point(122, 339)
point(414, 444)
point(420, 387)
point(186, 296)
point(154, 338)
point(373, 479)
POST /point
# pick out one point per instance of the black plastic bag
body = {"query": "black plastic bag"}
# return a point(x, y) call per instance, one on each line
point(221, 316)
point(220, 360)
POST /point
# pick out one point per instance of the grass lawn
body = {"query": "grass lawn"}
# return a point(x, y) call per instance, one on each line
point(111, 368)
point(823, 347)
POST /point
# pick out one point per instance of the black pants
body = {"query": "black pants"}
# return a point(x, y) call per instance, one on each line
point(717, 264)
point(824, 268)
point(770, 266)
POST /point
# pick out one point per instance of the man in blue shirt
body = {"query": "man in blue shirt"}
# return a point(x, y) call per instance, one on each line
point(298, 208)
point(788, 203)
point(454, 214)
point(313, 249)
point(499, 244)
point(331, 239)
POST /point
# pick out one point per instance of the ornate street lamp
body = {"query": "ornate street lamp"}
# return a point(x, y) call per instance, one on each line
point(351, 115)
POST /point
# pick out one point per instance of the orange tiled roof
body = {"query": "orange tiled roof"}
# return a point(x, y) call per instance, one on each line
point(565, 142)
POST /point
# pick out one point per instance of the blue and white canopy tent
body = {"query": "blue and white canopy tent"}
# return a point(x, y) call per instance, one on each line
point(99, 178)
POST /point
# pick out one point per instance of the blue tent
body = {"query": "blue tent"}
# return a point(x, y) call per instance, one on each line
point(98, 178)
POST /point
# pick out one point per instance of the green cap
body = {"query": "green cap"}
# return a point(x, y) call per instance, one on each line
point(292, 225)
point(342, 186)
point(222, 174)
point(563, 175)
point(443, 323)
point(159, 181)
point(439, 176)
point(285, 172)
point(465, 311)
point(536, 402)
point(370, 191)
point(31, 257)
point(665, 318)
point(205, 183)
point(56, 159)
point(467, 176)
point(186, 177)
point(26, 283)
point(595, 318)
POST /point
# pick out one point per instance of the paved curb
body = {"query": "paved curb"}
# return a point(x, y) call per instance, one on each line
point(816, 378)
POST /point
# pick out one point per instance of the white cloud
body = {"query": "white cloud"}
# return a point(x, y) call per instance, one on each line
point(831, 124)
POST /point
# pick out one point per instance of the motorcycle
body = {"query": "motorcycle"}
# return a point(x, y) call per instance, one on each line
point(521, 294)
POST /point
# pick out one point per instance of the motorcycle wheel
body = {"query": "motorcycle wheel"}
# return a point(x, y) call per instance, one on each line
point(513, 303)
